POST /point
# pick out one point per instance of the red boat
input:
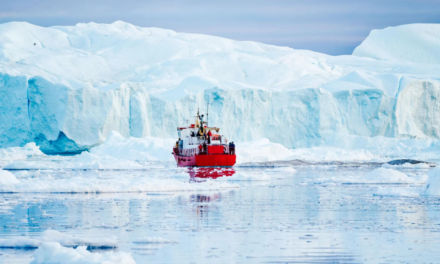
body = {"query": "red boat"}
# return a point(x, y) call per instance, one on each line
point(202, 146)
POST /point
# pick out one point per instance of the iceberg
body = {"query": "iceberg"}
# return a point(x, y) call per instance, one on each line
point(7, 178)
point(432, 186)
point(66, 88)
point(418, 43)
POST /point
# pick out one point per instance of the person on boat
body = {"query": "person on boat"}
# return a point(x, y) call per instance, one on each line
point(232, 148)
point(205, 148)
point(209, 136)
point(200, 148)
point(177, 144)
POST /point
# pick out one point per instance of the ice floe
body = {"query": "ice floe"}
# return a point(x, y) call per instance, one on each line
point(7, 178)
point(135, 149)
point(53, 252)
point(63, 239)
point(432, 186)
point(94, 183)
point(376, 176)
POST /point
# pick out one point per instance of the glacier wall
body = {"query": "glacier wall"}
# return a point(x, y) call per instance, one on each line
point(63, 119)
point(67, 88)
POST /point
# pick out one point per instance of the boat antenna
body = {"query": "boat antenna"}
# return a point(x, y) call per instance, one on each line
point(207, 113)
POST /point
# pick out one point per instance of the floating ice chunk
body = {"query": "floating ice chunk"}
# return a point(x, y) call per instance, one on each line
point(20, 243)
point(62, 238)
point(96, 184)
point(17, 153)
point(432, 186)
point(7, 178)
point(71, 241)
point(407, 165)
point(421, 166)
point(382, 175)
point(53, 252)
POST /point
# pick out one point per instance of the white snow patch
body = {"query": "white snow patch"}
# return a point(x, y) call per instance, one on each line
point(59, 237)
point(135, 149)
point(261, 150)
point(407, 43)
point(117, 184)
point(83, 161)
point(432, 186)
point(53, 252)
point(382, 175)
point(7, 178)
point(18, 153)
point(72, 241)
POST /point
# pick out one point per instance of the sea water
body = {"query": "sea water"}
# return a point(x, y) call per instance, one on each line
point(319, 213)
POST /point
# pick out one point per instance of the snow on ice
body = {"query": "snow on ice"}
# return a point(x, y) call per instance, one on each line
point(53, 252)
point(78, 83)
point(417, 43)
point(7, 178)
point(58, 237)
point(95, 183)
point(432, 186)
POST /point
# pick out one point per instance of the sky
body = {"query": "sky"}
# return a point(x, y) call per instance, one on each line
point(334, 27)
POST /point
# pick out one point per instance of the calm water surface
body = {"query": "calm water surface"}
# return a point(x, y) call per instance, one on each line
point(293, 218)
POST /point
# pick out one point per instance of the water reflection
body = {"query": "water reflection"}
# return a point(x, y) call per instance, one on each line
point(202, 198)
point(209, 173)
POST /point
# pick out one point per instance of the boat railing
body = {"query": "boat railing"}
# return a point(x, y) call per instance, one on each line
point(196, 140)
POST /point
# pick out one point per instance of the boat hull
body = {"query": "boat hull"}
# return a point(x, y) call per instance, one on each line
point(185, 161)
point(219, 160)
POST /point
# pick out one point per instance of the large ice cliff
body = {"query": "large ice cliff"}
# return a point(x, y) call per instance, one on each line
point(67, 88)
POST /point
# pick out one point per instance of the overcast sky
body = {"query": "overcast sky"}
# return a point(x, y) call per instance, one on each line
point(329, 26)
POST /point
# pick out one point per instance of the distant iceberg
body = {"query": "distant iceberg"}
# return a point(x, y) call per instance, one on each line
point(67, 88)
point(418, 43)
